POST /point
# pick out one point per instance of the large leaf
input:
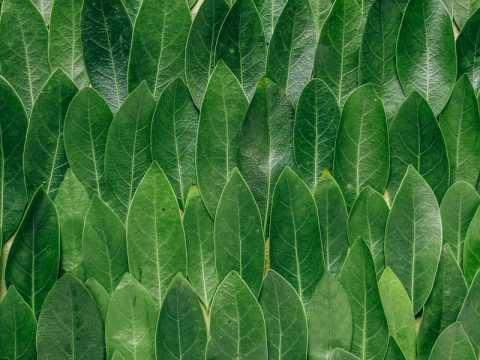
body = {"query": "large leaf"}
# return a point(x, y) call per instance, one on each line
point(443, 305)
point(44, 157)
point(86, 127)
point(266, 143)
point(127, 151)
point(367, 220)
point(106, 33)
point(270, 11)
point(24, 57)
point(13, 125)
point(32, 263)
point(361, 150)
point(426, 52)
point(100, 296)
point(237, 328)
point(199, 227)
point(221, 118)
point(460, 124)
point(469, 315)
point(453, 344)
point(131, 321)
point(416, 139)
point(468, 50)
point(72, 204)
point(377, 55)
point(398, 310)
point(174, 135)
point(158, 44)
point(69, 326)
point(329, 317)
point(321, 9)
point(316, 125)
point(394, 352)
point(413, 237)
point(241, 44)
point(295, 243)
point(181, 331)
point(132, 7)
point(471, 249)
point(333, 219)
point(155, 237)
point(64, 40)
point(104, 247)
point(336, 58)
point(284, 318)
point(370, 329)
point(292, 48)
point(17, 338)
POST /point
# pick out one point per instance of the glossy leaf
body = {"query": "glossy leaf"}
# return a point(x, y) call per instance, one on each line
point(426, 61)
point(416, 139)
point(361, 150)
point(104, 247)
point(181, 331)
point(155, 237)
point(237, 328)
point(106, 33)
point(86, 127)
point(174, 135)
point(127, 151)
point(413, 237)
point(270, 11)
point(333, 218)
point(44, 156)
point(221, 118)
point(468, 50)
point(69, 326)
point(241, 44)
point(394, 352)
point(158, 44)
point(32, 263)
point(100, 296)
point(295, 242)
point(452, 344)
point(329, 317)
point(469, 314)
point(471, 256)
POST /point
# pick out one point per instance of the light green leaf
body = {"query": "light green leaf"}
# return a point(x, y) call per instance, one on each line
point(471, 248)
point(341, 354)
point(117, 356)
point(453, 344)
point(394, 352)
point(469, 315)
point(463, 10)
point(44, 7)
point(270, 11)
point(100, 295)
point(321, 9)
point(468, 50)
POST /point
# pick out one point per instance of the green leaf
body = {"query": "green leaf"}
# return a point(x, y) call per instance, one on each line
point(72, 204)
point(158, 44)
point(469, 315)
point(131, 321)
point(284, 319)
point(457, 209)
point(453, 344)
point(132, 7)
point(14, 123)
point(416, 139)
point(370, 329)
point(443, 305)
point(24, 57)
point(398, 311)
point(336, 58)
point(316, 125)
point(367, 220)
point(181, 331)
point(463, 10)
point(377, 55)
point(33, 260)
point(241, 44)
point(329, 318)
point(86, 127)
point(270, 11)
point(413, 237)
point(292, 48)
point(361, 150)
point(17, 338)
point(468, 50)
point(237, 328)
point(321, 9)
point(426, 62)
point(127, 151)
point(44, 7)
point(394, 352)
point(221, 118)
point(155, 237)
point(460, 124)
point(471, 248)
point(266, 143)
point(100, 295)
point(174, 135)
point(106, 33)
point(295, 242)
point(64, 40)
point(333, 218)
point(117, 356)
point(69, 326)
point(340, 354)
point(104, 247)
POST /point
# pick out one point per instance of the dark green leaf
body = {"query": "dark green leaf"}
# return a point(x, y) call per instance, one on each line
point(270, 11)
point(100, 295)
point(471, 248)
point(453, 344)
point(132, 7)
point(394, 352)
point(468, 50)
point(469, 315)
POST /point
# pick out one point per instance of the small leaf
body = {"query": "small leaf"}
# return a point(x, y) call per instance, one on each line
point(453, 344)
point(471, 248)
point(469, 315)
point(468, 45)
point(270, 11)
point(100, 295)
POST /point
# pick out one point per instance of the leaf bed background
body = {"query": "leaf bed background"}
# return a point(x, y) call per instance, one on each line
point(249, 179)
